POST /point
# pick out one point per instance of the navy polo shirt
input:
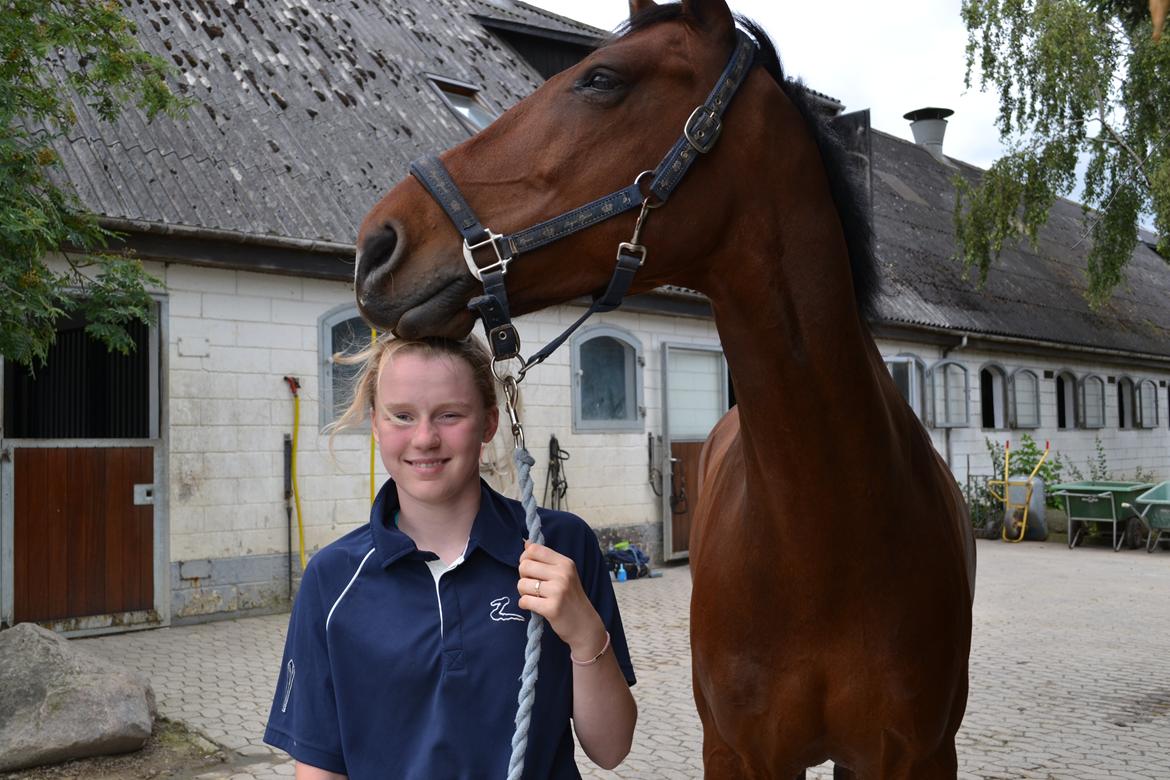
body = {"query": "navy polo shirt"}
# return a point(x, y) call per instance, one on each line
point(389, 674)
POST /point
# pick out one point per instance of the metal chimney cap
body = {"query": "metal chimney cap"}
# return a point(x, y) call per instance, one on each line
point(928, 113)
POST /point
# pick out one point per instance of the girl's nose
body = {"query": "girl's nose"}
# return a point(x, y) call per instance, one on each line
point(426, 434)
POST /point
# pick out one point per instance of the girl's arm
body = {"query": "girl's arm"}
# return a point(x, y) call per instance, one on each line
point(604, 712)
point(306, 772)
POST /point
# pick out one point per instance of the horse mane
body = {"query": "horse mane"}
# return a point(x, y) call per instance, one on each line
point(843, 186)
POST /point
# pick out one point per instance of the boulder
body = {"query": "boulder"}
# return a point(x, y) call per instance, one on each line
point(61, 702)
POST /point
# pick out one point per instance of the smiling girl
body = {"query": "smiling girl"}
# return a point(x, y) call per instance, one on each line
point(406, 640)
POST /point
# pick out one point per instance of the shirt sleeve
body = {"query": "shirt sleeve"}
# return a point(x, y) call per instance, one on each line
point(598, 587)
point(303, 720)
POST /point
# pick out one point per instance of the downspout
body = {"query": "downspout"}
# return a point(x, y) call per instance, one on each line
point(947, 431)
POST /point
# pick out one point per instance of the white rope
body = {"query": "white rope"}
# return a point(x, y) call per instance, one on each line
point(524, 463)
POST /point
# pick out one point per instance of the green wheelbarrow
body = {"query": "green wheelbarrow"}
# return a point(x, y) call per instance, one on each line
point(1153, 508)
point(1098, 502)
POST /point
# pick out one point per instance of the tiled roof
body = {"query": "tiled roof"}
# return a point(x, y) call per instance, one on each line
point(1032, 293)
point(305, 112)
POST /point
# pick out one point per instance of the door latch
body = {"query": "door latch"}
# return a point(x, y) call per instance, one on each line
point(143, 495)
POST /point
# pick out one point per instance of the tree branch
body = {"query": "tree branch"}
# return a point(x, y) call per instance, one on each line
point(1141, 162)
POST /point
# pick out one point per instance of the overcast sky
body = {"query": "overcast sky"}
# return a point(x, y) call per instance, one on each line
point(888, 57)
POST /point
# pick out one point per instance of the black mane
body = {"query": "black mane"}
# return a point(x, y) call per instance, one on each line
point(851, 207)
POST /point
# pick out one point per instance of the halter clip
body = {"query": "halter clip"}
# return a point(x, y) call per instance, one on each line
point(502, 260)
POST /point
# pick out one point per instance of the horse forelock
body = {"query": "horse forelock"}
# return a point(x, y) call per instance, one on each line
point(847, 194)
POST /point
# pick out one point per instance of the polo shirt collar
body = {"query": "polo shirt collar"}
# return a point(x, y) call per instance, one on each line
point(498, 528)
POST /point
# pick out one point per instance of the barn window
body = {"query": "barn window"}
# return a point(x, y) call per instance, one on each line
point(84, 390)
point(1125, 399)
point(464, 100)
point(949, 391)
point(341, 330)
point(993, 396)
point(1025, 387)
point(1092, 402)
point(607, 380)
point(1066, 403)
point(907, 372)
point(1147, 404)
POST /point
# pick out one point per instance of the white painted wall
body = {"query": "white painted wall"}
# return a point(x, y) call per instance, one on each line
point(234, 335)
point(1126, 450)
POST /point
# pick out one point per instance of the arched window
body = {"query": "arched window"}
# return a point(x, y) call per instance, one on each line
point(1092, 402)
point(908, 372)
point(949, 392)
point(607, 380)
point(1066, 400)
point(340, 330)
point(1125, 411)
point(1147, 404)
point(992, 396)
point(1025, 395)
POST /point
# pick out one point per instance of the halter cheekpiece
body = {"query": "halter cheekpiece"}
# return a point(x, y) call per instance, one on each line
point(700, 132)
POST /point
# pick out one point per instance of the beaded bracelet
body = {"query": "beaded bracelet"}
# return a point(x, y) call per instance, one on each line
point(595, 658)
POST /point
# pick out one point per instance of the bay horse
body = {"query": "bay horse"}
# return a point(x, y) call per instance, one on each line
point(832, 559)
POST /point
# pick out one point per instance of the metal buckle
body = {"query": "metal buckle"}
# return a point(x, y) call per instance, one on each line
point(501, 260)
point(703, 139)
point(636, 250)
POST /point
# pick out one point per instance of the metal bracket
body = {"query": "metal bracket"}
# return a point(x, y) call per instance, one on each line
point(501, 260)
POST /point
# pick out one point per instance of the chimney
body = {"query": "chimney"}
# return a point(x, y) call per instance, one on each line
point(929, 125)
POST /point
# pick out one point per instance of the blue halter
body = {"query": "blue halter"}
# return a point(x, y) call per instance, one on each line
point(700, 132)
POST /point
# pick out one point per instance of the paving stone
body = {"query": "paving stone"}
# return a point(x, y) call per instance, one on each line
point(1064, 681)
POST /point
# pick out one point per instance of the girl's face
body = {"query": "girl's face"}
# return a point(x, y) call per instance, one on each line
point(430, 424)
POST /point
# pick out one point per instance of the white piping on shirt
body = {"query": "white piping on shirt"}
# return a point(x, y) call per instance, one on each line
point(351, 581)
point(438, 569)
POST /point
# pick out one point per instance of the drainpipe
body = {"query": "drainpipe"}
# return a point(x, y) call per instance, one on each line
point(962, 344)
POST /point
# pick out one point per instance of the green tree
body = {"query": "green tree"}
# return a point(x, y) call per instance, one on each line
point(1076, 79)
point(53, 53)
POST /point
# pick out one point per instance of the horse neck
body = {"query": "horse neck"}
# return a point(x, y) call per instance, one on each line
point(803, 365)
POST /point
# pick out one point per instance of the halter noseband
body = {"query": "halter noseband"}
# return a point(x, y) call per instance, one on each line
point(700, 132)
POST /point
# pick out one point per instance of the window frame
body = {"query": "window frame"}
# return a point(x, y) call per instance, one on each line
point(1082, 409)
point(918, 383)
point(944, 421)
point(1014, 402)
point(1072, 417)
point(1000, 394)
point(1139, 398)
point(325, 324)
point(580, 425)
point(444, 86)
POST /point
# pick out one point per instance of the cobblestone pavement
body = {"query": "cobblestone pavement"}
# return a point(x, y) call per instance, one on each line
point(1068, 672)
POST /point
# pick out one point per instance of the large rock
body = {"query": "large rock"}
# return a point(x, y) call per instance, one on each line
point(59, 702)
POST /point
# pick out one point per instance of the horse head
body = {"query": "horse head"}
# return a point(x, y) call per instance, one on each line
point(586, 132)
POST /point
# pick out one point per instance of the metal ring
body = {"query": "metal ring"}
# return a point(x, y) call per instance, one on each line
point(646, 202)
point(538, 587)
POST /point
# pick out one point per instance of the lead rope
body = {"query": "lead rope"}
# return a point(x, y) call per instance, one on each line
point(524, 462)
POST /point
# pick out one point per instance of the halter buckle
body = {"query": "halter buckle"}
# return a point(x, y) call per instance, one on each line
point(502, 260)
point(634, 250)
point(702, 128)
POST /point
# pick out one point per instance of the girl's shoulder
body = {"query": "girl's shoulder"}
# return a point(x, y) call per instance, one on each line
point(339, 561)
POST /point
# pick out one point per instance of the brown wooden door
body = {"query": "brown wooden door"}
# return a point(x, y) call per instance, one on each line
point(684, 492)
point(81, 545)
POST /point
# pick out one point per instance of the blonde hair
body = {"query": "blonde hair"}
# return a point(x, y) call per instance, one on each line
point(371, 360)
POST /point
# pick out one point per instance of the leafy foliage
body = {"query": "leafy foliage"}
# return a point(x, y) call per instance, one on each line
point(1076, 79)
point(51, 54)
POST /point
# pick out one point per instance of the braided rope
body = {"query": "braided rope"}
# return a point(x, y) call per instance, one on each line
point(524, 463)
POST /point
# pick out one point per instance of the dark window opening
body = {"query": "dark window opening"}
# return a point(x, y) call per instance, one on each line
point(83, 391)
point(1061, 418)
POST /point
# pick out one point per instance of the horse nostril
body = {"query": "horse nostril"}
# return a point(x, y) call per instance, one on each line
point(375, 251)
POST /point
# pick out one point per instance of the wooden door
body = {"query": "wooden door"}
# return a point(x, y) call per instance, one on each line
point(695, 394)
point(82, 545)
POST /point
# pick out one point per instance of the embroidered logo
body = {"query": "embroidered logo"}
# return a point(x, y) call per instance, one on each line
point(292, 672)
point(499, 610)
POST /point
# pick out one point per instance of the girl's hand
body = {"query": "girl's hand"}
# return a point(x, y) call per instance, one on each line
point(550, 587)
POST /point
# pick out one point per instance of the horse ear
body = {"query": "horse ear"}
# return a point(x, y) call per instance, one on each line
point(638, 6)
point(713, 15)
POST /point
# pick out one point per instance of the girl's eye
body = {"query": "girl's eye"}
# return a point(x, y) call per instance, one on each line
point(600, 81)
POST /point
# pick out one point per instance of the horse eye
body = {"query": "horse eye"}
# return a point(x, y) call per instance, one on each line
point(600, 81)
